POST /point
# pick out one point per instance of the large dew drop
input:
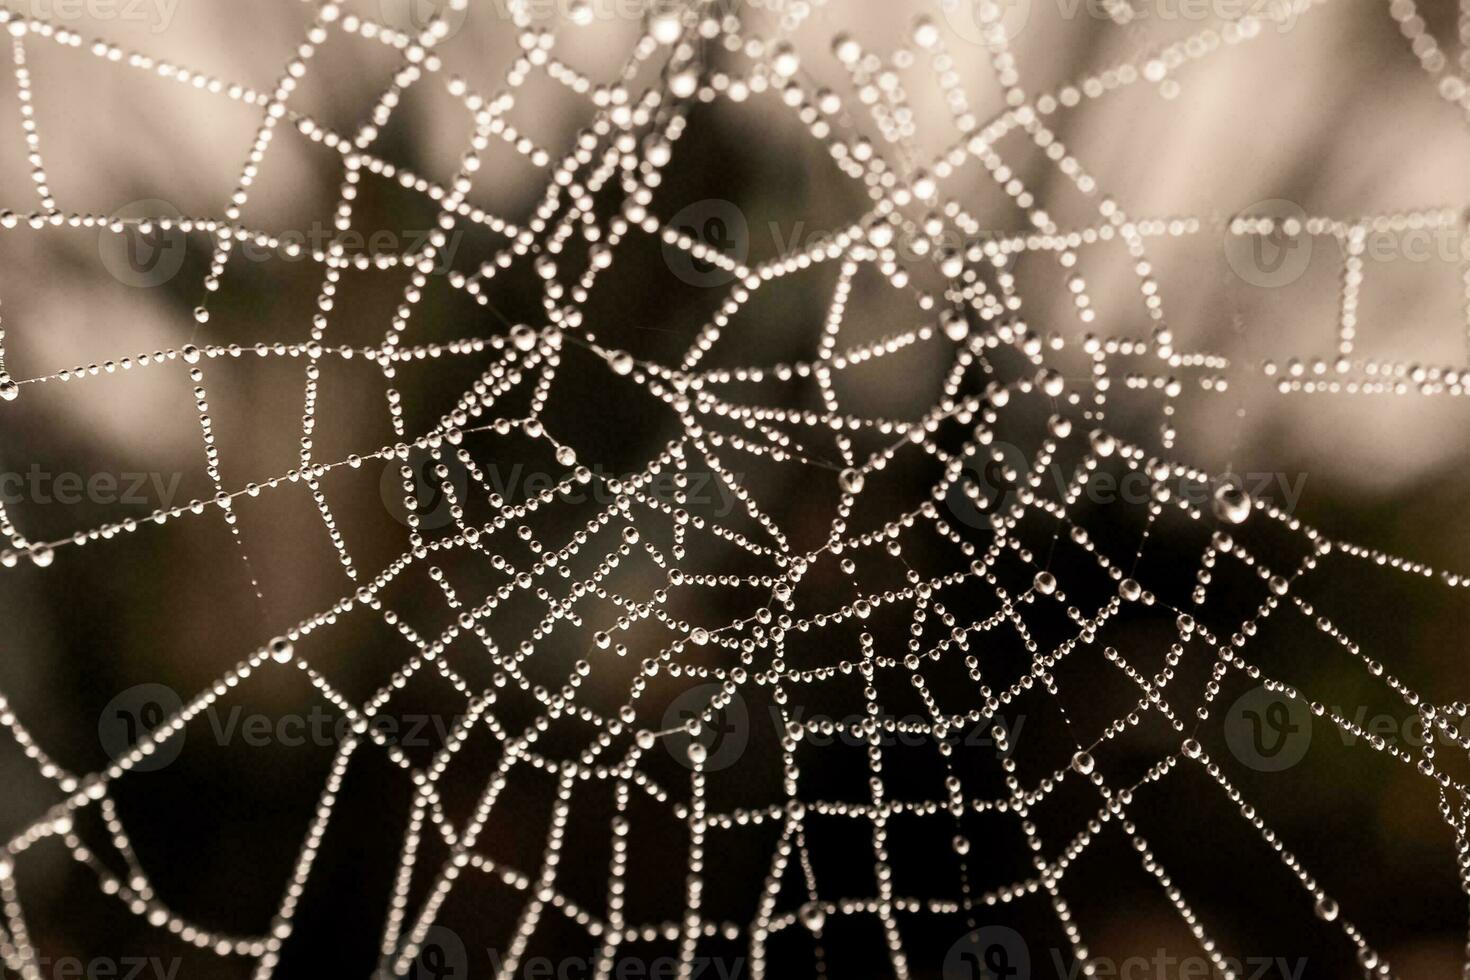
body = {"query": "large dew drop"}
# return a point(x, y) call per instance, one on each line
point(1232, 504)
point(281, 650)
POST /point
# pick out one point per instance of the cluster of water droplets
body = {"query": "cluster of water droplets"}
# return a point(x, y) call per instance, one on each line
point(978, 314)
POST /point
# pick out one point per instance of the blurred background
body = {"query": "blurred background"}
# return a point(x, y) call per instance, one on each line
point(1329, 111)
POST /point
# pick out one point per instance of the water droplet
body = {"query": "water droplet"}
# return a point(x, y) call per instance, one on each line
point(846, 48)
point(813, 916)
point(190, 353)
point(1326, 909)
point(697, 752)
point(645, 739)
point(684, 84)
point(1192, 748)
point(1130, 589)
point(956, 327)
point(201, 315)
point(1046, 583)
point(851, 480)
point(281, 650)
point(1060, 426)
point(1083, 764)
point(1103, 443)
point(665, 26)
point(9, 390)
point(620, 361)
point(1050, 382)
point(699, 637)
point(523, 337)
point(1232, 504)
point(42, 555)
point(880, 233)
point(566, 455)
point(784, 60)
point(925, 34)
point(961, 844)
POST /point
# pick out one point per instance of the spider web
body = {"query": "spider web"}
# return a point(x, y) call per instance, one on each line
point(1020, 566)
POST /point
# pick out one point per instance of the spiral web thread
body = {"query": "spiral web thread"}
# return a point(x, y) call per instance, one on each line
point(624, 148)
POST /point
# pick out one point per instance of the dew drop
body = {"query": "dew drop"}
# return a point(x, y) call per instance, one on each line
point(851, 480)
point(665, 26)
point(1046, 583)
point(281, 650)
point(846, 48)
point(1326, 909)
point(1050, 382)
point(580, 13)
point(523, 337)
point(566, 455)
point(1103, 443)
point(925, 34)
point(784, 60)
point(9, 390)
point(1232, 504)
point(1083, 764)
point(684, 84)
point(1130, 589)
point(697, 752)
point(1060, 426)
point(956, 327)
point(42, 555)
point(961, 844)
point(880, 234)
point(620, 361)
point(813, 916)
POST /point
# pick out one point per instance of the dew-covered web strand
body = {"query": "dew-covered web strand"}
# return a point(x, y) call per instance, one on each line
point(976, 316)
